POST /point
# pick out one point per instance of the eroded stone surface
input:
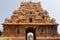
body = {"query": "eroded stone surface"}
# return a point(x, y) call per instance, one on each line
point(30, 17)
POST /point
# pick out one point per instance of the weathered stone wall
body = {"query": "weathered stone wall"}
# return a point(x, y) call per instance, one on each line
point(20, 31)
point(30, 15)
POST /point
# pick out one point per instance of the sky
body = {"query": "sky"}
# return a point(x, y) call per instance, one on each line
point(8, 6)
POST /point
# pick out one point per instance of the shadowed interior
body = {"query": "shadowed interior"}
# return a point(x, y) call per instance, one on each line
point(28, 30)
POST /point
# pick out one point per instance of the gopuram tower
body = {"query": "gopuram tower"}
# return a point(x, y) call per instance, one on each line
point(30, 22)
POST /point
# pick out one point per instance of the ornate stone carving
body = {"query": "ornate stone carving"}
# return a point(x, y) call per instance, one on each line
point(53, 20)
point(30, 18)
point(7, 20)
point(31, 10)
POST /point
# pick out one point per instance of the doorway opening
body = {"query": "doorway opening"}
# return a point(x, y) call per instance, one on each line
point(30, 34)
point(30, 20)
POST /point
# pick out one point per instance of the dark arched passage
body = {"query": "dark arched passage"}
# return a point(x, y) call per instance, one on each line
point(28, 30)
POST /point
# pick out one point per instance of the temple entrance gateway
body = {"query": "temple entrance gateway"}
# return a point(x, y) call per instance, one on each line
point(30, 22)
point(30, 34)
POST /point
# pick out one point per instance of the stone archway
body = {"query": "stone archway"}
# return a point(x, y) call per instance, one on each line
point(30, 34)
